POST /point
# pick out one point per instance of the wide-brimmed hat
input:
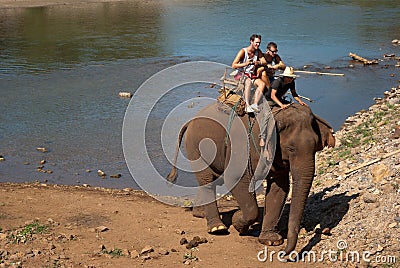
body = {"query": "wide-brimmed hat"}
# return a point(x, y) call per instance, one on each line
point(288, 72)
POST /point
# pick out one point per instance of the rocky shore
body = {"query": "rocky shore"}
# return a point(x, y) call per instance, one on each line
point(357, 188)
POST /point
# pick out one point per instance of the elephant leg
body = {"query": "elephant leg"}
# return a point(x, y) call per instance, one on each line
point(248, 213)
point(275, 196)
point(206, 202)
point(198, 212)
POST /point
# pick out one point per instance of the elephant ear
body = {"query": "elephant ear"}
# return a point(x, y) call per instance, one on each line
point(325, 131)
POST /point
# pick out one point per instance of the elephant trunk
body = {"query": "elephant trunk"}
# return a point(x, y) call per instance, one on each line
point(302, 177)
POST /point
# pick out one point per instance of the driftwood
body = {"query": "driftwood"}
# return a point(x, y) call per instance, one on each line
point(319, 73)
point(371, 162)
point(363, 60)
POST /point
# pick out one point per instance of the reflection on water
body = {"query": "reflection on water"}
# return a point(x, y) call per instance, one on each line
point(63, 66)
point(43, 38)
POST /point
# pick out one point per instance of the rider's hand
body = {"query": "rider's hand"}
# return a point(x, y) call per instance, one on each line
point(284, 106)
point(303, 103)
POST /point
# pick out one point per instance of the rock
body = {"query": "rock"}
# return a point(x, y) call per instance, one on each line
point(392, 225)
point(183, 241)
point(101, 229)
point(326, 231)
point(125, 94)
point(379, 172)
point(394, 101)
point(101, 173)
point(115, 176)
point(3, 237)
point(134, 254)
point(126, 252)
point(42, 149)
point(146, 257)
point(396, 133)
point(146, 249)
point(192, 244)
point(368, 198)
point(163, 251)
point(180, 232)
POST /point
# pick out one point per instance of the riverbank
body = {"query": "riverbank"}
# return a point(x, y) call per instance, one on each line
point(353, 208)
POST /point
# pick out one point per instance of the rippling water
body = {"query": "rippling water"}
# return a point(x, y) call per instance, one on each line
point(61, 68)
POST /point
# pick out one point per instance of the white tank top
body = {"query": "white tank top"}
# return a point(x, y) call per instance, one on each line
point(250, 68)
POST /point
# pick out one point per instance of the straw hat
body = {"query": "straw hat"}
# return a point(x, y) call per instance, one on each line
point(288, 72)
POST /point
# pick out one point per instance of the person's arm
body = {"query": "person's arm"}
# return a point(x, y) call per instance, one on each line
point(296, 97)
point(280, 64)
point(261, 59)
point(239, 57)
point(276, 99)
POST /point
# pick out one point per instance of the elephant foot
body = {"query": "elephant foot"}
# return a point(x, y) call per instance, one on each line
point(270, 238)
point(239, 223)
point(218, 230)
point(216, 226)
point(198, 212)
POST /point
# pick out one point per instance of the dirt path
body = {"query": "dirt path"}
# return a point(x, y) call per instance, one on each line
point(67, 226)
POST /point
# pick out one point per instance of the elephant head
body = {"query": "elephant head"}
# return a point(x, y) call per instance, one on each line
point(301, 135)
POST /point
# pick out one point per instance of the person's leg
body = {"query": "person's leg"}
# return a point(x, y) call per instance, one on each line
point(266, 80)
point(259, 91)
point(247, 90)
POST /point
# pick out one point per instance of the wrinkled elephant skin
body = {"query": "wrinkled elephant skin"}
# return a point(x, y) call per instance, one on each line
point(300, 134)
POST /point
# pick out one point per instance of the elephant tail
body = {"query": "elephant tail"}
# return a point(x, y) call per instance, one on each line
point(173, 174)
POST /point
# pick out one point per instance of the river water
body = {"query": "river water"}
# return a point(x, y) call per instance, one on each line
point(61, 68)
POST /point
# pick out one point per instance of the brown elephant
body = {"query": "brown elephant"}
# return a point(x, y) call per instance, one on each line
point(217, 155)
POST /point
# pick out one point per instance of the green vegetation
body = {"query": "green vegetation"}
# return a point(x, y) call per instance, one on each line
point(115, 252)
point(190, 255)
point(367, 132)
point(27, 232)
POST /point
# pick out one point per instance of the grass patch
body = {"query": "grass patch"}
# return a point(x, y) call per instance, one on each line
point(115, 252)
point(27, 232)
point(191, 256)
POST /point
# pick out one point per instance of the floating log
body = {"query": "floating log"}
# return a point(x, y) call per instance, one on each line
point(361, 59)
point(319, 73)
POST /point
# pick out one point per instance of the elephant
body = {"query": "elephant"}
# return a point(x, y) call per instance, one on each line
point(299, 135)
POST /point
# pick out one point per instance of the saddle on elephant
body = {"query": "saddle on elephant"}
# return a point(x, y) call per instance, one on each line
point(229, 96)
